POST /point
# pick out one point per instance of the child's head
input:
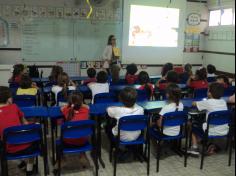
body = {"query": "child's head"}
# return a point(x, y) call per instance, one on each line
point(19, 69)
point(128, 97)
point(56, 71)
point(132, 69)
point(222, 79)
point(5, 95)
point(91, 72)
point(75, 102)
point(166, 68)
point(63, 80)
point(143, 78)
point(102, 77)
point(201, 74)
point(115, 73)
point(25, 82)
point(188, 68)
point(216, 90)
point(211, 69)
point(173, 93)
point(172, 77)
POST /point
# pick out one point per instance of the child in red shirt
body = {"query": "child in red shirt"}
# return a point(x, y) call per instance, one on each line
point(130, 77)
point(199, 81)
point(171, 77)
point(144, 81)
point(91, 72)
point(10, 115)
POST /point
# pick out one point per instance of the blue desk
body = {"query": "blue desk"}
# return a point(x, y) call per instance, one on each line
point(101, 108)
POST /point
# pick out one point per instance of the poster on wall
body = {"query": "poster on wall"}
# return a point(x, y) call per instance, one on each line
point(4, 38)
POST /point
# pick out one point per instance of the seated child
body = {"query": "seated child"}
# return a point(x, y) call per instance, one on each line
point(171, 77)
point(128, 97)
point(115, 74)
point(27, 87)
point(10, 115)
point(144, 81)
point(173, 94)
point(91, 72)
point(56, 71)
point(199, 81)
point(222, 79)
point(101, 86)
point(187, 73)
point(213, 104)
point(18, 71)
point(131, 77)
point(211, 70)
point(166, 68)
point(64, 84)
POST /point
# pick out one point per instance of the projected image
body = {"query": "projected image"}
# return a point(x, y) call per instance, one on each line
point(153, 26)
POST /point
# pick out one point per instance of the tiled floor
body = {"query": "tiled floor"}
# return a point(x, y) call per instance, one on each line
point(171, 165)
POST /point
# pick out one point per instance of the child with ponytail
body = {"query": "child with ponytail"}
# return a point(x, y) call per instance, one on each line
point(144, 81)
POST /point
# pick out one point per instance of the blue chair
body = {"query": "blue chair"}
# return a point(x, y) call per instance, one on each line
point(20, 135)
point(61, 98)
point(200, 93)
point(229, 91)
point(215, 118)
point(25, 100)
point(121, 82)
point(171, 120)
point(105, 98)
point(77, 130)
point(143, 95)
point(211, 79)
point(130, 124)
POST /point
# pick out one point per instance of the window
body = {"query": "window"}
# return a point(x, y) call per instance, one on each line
point(222, 17)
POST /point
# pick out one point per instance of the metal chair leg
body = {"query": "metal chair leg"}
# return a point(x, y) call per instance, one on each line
point(148, 161)
point(203, 153)
point(158, 154)
point(230, 151)
point(115, 160)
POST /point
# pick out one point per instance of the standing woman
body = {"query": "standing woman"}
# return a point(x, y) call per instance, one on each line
point(111, 54)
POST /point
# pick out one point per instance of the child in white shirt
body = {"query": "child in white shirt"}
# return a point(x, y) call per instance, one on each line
point(128, 97)
point(173, 94)
point(213, 104)
point(101, 86)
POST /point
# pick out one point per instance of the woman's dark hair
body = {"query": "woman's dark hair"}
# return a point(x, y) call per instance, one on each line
point(188, 68)
point(201, 74)
point(109, 42)
point(63, 81)
point(25, 82)
point(102, 77)
point(172, 77)
point(56, 71)
point(5, 94)
point(174, 93)
point(131, 69)
point(211, 69)
point(128, 97)
point(225, 78)
point(75, 102)
point(166, 68)
point(115, 73)
point(216, 90)
point(17, 70)
point(91, 72)
point(144, 79)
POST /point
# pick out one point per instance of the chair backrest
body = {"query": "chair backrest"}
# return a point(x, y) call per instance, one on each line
point(121, 82)
point(14, 85)
point(77, 129)
point(200, 93)
point(178, 118)
point(133, 123)
point(143, 95)
point(35, 111)
point(55, 112)
point(229, 91)
point(211, 79)
point(25, 100)
point(22, 134)
point(105, 98)
point(220, 118)
point(61, 97)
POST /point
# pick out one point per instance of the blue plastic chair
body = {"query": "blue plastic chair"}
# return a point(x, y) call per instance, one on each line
point(105, 98)
point(130, 124)
point(25, 100)
point(215, 118)
point(200, 93)
point(61, 98)
point(172, 119)
point(77, 130)
point(211, 79)
point(143, 95)
point(229, 91)
point(20, 135)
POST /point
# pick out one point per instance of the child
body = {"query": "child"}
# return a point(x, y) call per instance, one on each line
point(63, 85)
point(173, 94)
point(10, 115)
point(115, 74)
point(56, 71)
point(211, 70)
point(130, 77)
point(166, 68)
point(222, 79)
point(91, 72)
point(144, 81)
point(18, 71)
point(213, 104)
point(199, 81)
point(26, 86)
point(101, 86)
point(171, 77)
point(128, 97)
point(187, 73)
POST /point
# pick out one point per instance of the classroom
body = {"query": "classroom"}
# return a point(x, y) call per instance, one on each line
point(117, 87)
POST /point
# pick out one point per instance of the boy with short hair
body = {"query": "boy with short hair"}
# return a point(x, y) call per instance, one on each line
point(91, 72)
point(213, 104)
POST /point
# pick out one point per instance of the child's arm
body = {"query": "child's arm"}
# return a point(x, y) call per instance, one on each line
point(24, 121)
point(191, 78)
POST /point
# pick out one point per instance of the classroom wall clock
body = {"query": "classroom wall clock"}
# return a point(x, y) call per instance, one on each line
point(4, 33)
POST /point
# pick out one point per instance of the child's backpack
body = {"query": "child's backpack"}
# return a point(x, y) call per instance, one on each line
point(33, 72)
